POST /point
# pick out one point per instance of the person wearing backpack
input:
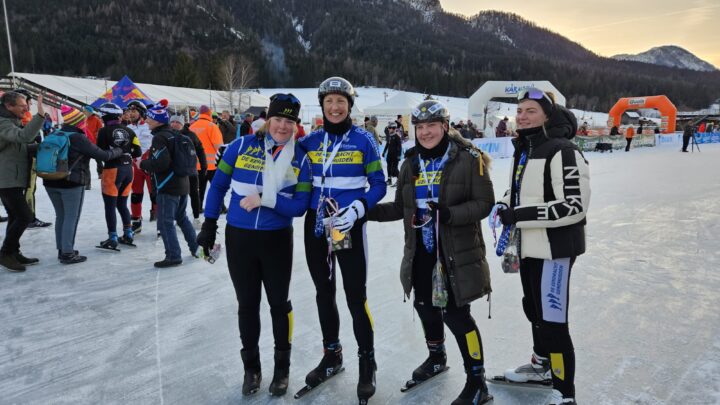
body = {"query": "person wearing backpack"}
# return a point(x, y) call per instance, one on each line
point(117, 175)
point(177, 122)
point(171, 161)
point(67, 193)
point(14, 174)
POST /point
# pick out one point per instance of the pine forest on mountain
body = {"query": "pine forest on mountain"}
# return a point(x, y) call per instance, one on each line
point(403, 44)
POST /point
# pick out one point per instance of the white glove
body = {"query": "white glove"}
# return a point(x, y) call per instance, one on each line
point(347, 216)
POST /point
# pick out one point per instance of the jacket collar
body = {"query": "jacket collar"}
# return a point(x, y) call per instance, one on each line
point(161, 128)
point(206, 117)
point(5, 113)
point(71, 128)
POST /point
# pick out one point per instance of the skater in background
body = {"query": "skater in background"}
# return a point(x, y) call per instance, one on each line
point(259, 231)
point(688, 132)
point(32, 150)
point(177, 122)
point(392, 152)
point(629, 134)
point(547, 202)
point(117, 174)
point(211, 138)
point(171, 159)
point(443, 192)
point(136, 113)
point(345, 160)
point(67, 194)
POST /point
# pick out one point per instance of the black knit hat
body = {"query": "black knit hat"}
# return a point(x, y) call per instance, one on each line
point(284, 105)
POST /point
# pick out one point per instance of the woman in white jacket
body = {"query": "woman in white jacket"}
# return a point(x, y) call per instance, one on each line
point(547, 202)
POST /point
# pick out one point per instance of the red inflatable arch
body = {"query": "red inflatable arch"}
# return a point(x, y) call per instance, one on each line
point(668, 112)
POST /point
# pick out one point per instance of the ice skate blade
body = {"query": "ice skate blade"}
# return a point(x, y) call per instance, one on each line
point(410, 384)
point(306, 389)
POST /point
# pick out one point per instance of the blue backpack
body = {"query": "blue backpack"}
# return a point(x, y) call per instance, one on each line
point(52, 156)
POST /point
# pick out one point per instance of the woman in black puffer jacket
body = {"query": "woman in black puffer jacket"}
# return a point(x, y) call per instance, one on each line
point(443, 192)
point(547, 202)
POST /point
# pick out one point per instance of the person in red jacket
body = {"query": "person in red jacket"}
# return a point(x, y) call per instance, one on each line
point(300, 131)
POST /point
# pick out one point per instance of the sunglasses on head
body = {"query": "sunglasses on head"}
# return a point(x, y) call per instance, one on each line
point(285, 97)
point(533, 94)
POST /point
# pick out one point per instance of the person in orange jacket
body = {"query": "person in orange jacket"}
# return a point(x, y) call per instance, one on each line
point(92, 123)
point(629, 133)
point(92, 127)
point(211, 138)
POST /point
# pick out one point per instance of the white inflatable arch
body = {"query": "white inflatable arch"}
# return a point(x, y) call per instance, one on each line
point(478, 102)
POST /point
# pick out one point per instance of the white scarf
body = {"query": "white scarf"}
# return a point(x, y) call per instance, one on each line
point(277, 173)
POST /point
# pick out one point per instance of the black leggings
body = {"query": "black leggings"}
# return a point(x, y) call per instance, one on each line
point(255, 259)
point(392, 167)
point(458, 319)
point(353, 265)
point(202, 185)
point(118, 201)
point(195, 195)
point(545, 302)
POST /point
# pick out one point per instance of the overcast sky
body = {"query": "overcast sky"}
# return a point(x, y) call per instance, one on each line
point(610, 27)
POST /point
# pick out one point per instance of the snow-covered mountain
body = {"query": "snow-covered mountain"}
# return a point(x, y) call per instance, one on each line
point(671, 56)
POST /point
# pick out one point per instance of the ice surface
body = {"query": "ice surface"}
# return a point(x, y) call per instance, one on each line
point(644, 308)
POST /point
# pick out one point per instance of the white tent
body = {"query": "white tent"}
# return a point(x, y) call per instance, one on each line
point(88, 90)
point(401, 104)
point(479, 102)
point(357, 113)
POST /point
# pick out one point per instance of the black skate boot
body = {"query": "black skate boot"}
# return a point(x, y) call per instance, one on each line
point(475, 391)
point(111, 243)
point(128, 238)
point(253, 376)
point(136, 225)
point(279, 384)
point(435, 364)
point(330, 365)
point(366, 382)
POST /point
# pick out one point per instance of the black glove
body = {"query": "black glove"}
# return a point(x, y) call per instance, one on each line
point(115, 153)
point(206, 237)
point(435, 209)
point(507, 216)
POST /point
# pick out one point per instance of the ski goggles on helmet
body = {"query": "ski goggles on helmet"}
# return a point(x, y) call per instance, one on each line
point(533, 94)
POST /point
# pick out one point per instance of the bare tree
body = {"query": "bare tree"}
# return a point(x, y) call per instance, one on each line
point(236, 73)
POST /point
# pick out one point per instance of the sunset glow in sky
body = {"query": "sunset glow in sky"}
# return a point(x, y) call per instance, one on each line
point(610, 27)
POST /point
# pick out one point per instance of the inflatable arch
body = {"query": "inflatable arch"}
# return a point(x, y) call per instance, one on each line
point(668, 112)
point(478, 102)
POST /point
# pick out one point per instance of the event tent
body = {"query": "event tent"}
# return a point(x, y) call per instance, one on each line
point(401, 104)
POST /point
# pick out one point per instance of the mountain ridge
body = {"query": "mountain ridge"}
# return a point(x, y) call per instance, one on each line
point(669, 56)
point(404, 44)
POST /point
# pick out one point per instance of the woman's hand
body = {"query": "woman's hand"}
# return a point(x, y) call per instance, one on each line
point(250, 202)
